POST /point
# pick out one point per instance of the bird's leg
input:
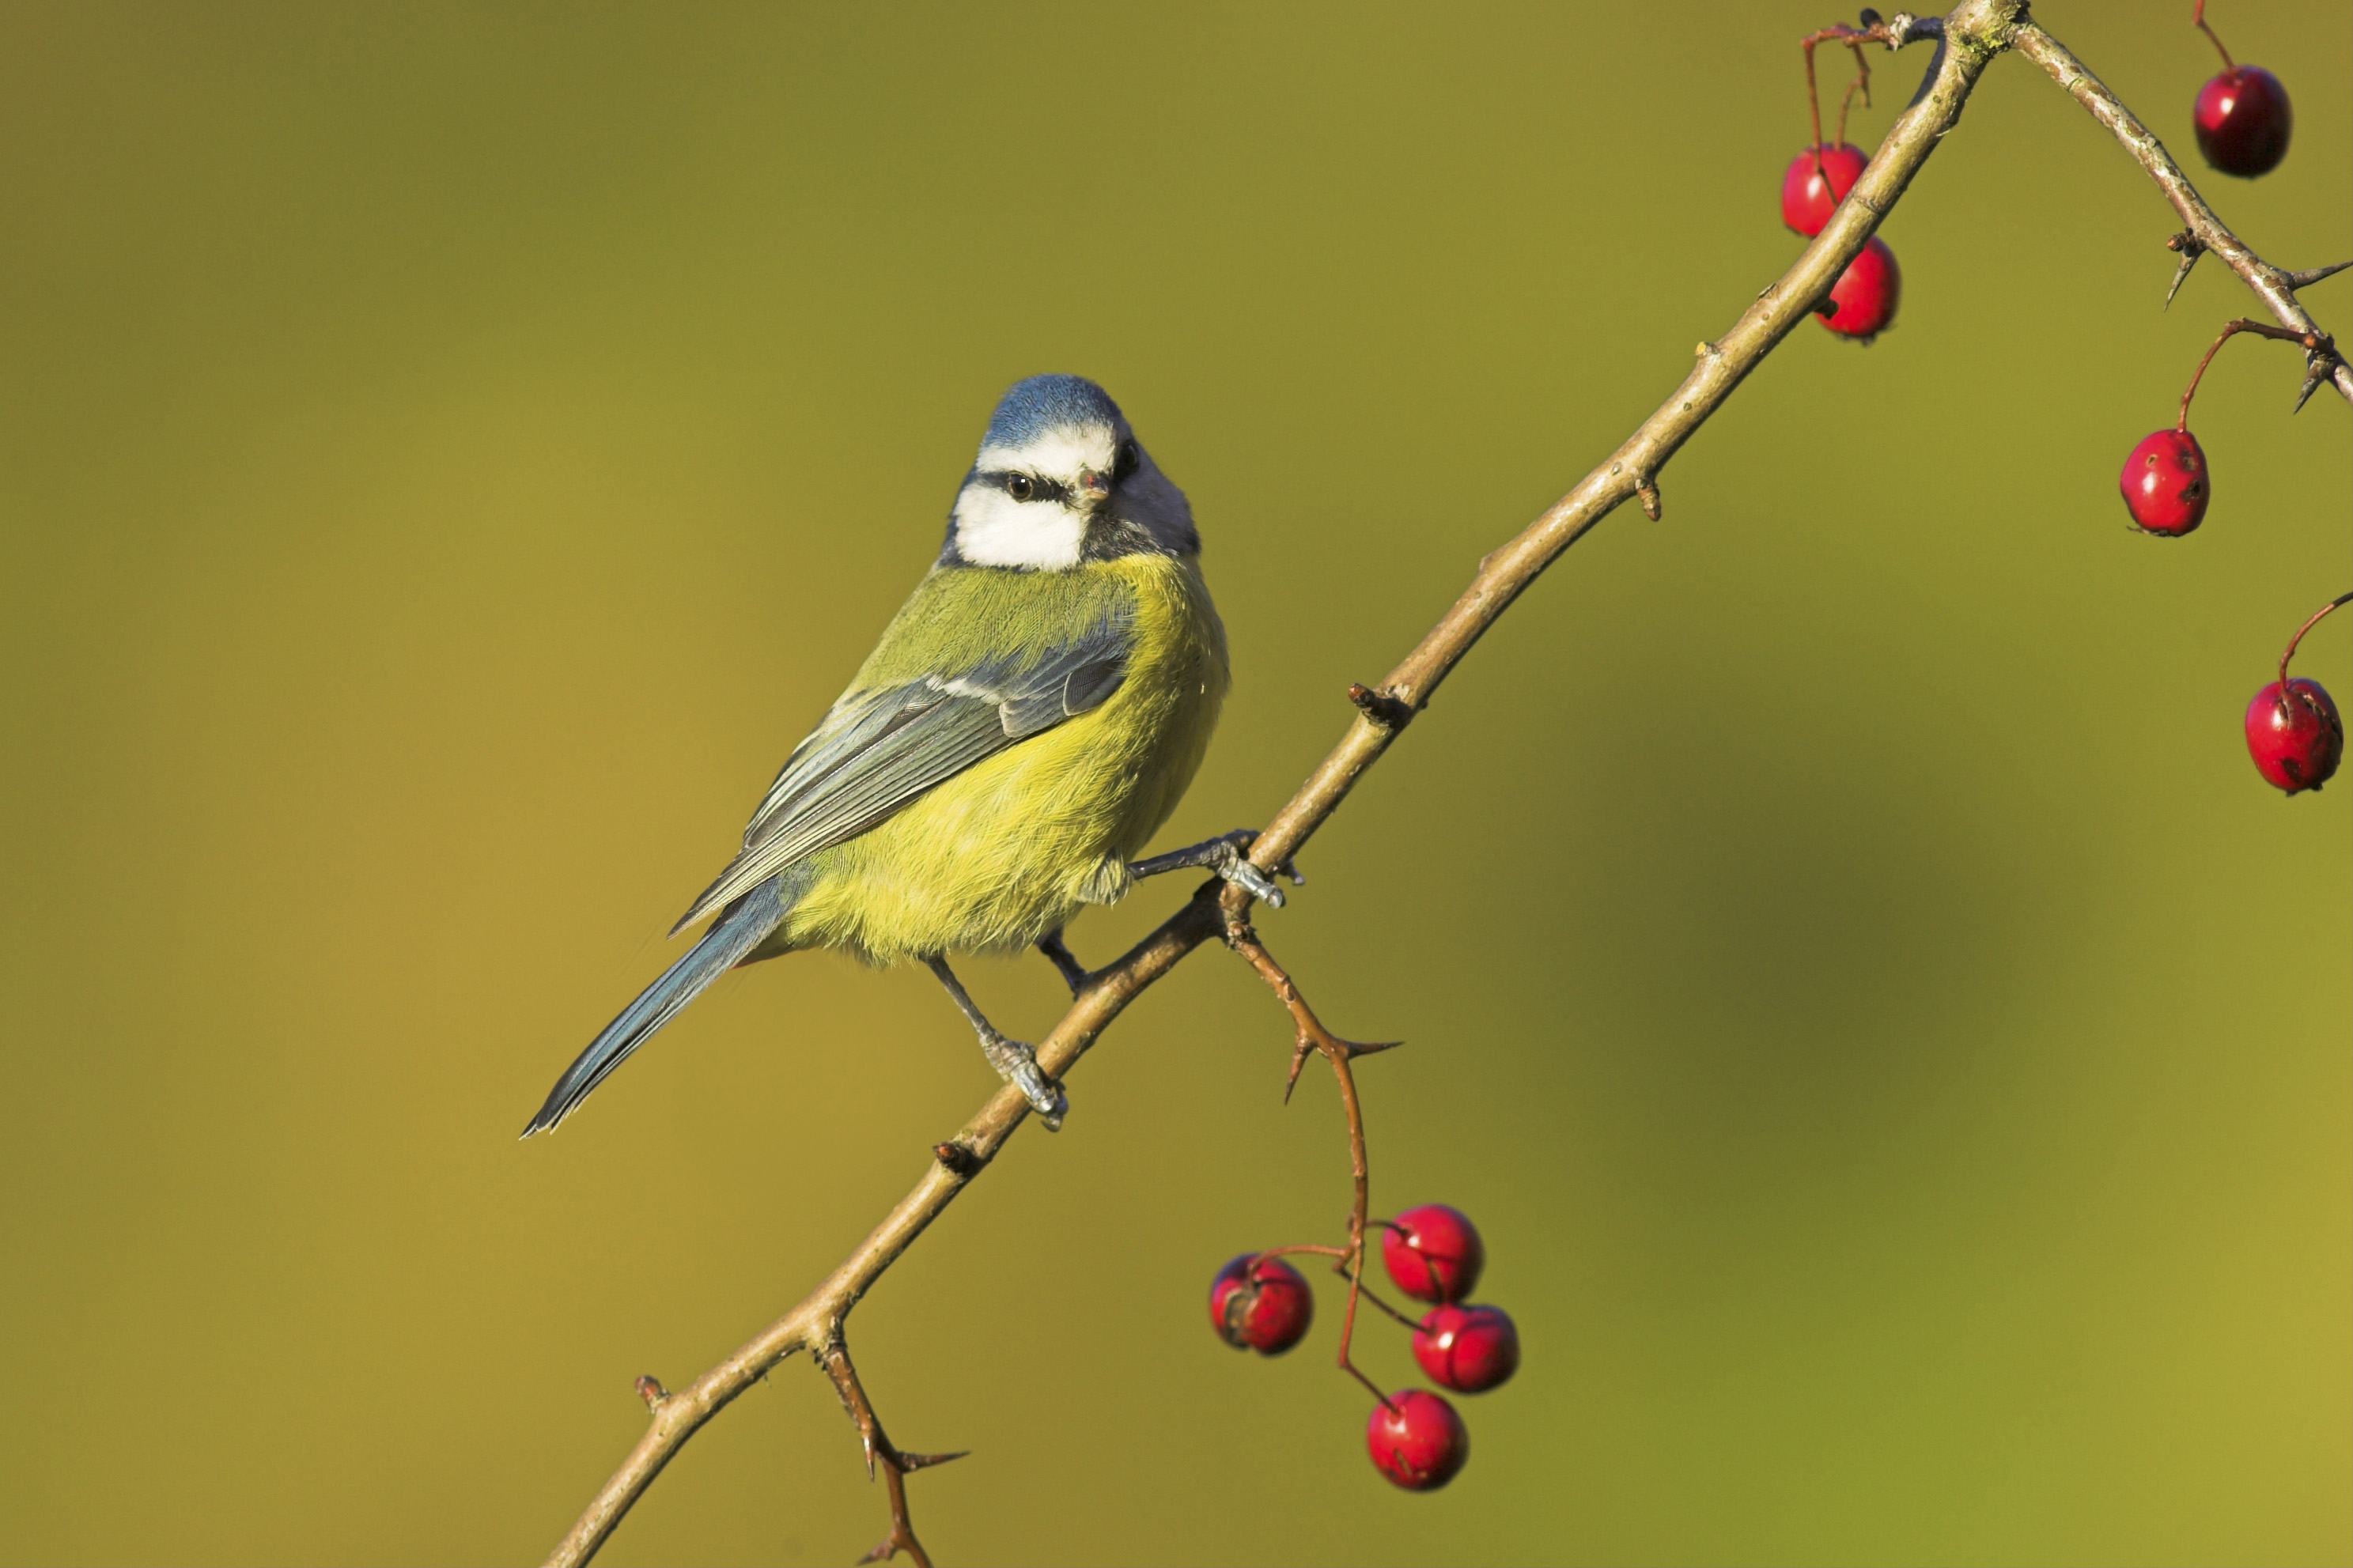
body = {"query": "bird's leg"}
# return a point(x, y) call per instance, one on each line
point(1227, 855)
point(1015, 1062)
point(1074, 973)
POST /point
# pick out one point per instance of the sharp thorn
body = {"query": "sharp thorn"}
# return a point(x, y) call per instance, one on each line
point(1373, 1048)
point(2180, 273)
point(2311, 275)
point(1299, 1055)
point(881, 1554)
point(908, 1462)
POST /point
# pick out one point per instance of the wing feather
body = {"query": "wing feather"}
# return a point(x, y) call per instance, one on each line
point(877, 753)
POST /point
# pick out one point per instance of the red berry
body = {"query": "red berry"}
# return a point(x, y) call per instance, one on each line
point(2165, 484)
point(1260, 1304)
point(2297, 744)
point(2244, 122)
point(1417, 1440)
point(1808, 197)
point(1466, 1349)
point(1865, 293)
point(1433, 1253)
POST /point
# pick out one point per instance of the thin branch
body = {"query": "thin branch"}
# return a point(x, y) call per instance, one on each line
point(1310, 1035)
point(1973, 34)
point(896, 1465)
point(2273, 286)
point(1313, 1036)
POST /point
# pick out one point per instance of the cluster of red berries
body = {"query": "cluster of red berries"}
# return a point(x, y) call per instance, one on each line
point(1863, 301)
point(2293, 729)
point(1861, 304)
point(1433, 1254)
point(2243, 120)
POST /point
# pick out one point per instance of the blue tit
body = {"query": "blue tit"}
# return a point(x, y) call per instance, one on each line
point(1031, 716)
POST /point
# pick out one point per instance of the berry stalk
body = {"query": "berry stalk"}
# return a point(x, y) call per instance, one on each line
point(2311, 342)
point(2198, 16)
point(2287, 653)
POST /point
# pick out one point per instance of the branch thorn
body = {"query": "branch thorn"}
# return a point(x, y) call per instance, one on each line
point(1349, 1050)
point(925, 1461)
point(2316, 369)
point(2191, 248)
point(1300, 1052)
point(2311, 275)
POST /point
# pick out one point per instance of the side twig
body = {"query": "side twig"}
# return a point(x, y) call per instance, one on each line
point(896, 1465)
point(1972, 36)
point(2276, 288)
point(1311, 1037)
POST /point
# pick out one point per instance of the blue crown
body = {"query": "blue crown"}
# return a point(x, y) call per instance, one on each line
point(1043, 402)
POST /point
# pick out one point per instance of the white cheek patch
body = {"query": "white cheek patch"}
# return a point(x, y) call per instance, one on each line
point(994, 530)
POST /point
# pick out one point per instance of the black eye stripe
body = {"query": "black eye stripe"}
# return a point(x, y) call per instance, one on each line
point(1028, 487)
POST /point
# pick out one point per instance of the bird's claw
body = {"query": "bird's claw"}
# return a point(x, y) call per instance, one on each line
point(1020, 1067)
point(1234, 865)
point(1248, 878)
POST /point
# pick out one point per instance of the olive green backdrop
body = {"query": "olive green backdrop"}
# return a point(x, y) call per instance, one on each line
point(1896, 1047)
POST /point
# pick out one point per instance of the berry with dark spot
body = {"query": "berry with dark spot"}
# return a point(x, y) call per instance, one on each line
point(2295, 737)
point(1865, 293)
point(1260, 1304)
point(2165, 484)
point(1417, 1440)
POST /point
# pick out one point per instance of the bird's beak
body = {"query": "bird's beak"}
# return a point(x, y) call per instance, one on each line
point(1096, 486)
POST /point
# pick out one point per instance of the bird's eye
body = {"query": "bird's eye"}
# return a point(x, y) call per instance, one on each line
point(1018, 486)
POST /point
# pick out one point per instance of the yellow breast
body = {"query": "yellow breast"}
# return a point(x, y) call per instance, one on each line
point(1012, 848)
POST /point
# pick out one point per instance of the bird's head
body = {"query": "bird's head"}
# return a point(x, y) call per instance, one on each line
point(1061, 479)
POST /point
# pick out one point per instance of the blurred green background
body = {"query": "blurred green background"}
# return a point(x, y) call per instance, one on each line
point(1896, 1045)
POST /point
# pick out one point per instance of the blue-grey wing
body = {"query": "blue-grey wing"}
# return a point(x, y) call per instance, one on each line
point(879, 752)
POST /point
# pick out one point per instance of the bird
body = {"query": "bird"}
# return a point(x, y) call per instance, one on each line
point(1029, 720)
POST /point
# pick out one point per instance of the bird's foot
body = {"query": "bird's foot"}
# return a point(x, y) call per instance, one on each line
point(1227, 855)
point(1017, 1063)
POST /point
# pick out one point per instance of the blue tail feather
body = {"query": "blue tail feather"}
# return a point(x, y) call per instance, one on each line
point(739, 929)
